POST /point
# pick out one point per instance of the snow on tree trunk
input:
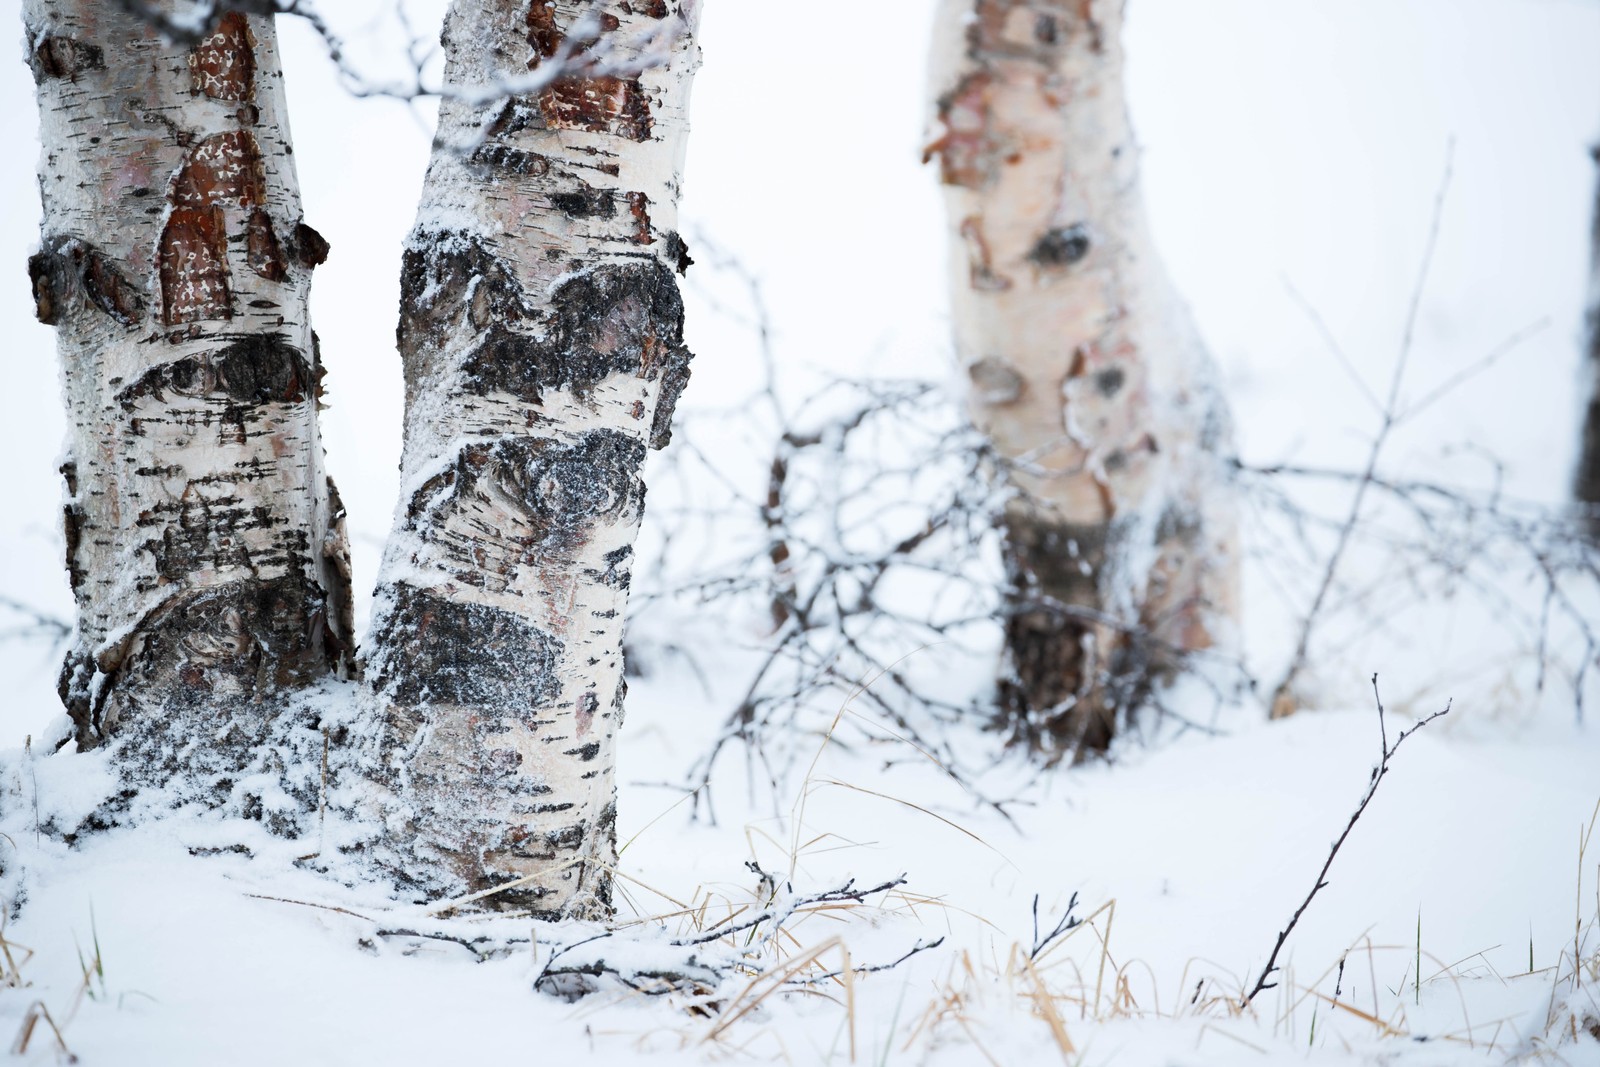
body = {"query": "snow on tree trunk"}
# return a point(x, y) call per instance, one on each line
point(204, 541)
point(541, 331)
point(1084, 369)
point(1587, 487)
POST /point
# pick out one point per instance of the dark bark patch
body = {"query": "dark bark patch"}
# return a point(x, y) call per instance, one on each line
point(308, 246)
point(50, 277)
point(1055, 689)
point(64, 57)
point(442, 651)
point(585, 753)
point(223, 65)
point(247, 637)
point(225, 168)
point(678, 253)
point(1061, 248)
point(256, 369)
point(510, 161)
point(263, 251)
point(616, 319)
point(557, 492)
point(674, 379)
point(107, 289)
point(65, 263)
point(585, 202)
point(444, 277)
point(72, 520)
point(194, 266)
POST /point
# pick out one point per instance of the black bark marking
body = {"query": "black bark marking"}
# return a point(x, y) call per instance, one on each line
point(254, 370)
point(1061, 248)
point(308, 246)
point(66, 263)
point(558, 491)
point(64, 57)
point(585, 753)
point(1109, 382)
point(616, 319)
point(51, 278)
point(586, 202)
point(72, 520)
point(678, 253)
point(510, 160)
point(441, 651)
point(674, 378)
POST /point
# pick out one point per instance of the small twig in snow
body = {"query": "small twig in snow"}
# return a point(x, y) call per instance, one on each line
point(1263, 981)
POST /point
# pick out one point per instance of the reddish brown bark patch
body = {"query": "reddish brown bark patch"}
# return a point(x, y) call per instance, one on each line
point(262, 250)
point(223, 169)
point(223, 66)
point(543, 33)
point(603, 104)
point(606, 104)
point(639, 208)
point(194, 266)
point(64, 57)
point(967, 150)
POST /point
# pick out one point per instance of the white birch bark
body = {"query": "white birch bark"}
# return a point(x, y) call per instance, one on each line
point(204, 541)
point(541, 331)
point(1084, 368)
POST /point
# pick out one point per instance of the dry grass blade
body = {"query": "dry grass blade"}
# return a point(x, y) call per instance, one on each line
point(748, 999)
point(30, 1021)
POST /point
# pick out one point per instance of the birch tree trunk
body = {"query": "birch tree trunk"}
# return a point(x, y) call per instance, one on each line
point(204, 541)
point(541, 332)
point(1587, 485)
point(1084, 368)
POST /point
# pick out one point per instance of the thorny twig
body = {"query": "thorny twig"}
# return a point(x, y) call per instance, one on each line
point(1068, 922)
point(1263, 981)
point(1283, 696)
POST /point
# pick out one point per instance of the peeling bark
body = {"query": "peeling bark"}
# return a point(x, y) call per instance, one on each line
point(204, 542)
point(541, 331)
point(1084, 369)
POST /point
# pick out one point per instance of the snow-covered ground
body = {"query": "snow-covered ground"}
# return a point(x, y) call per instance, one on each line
point(1293, 153)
